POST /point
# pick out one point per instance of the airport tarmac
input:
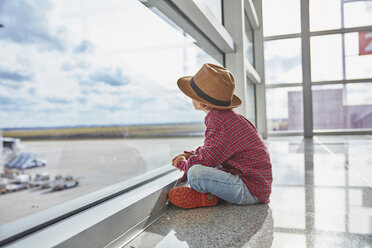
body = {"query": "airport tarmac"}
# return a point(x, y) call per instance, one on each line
point(98, 164)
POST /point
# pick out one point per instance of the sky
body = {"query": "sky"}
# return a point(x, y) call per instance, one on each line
point(71, 63)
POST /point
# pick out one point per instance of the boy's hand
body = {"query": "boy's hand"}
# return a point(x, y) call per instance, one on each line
point(178, 159)
point(186, 155)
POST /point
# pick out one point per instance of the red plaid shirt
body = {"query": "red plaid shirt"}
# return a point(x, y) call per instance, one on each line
point(232, 142)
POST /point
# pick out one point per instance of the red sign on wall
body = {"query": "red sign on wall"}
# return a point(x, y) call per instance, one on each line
point(365, 43)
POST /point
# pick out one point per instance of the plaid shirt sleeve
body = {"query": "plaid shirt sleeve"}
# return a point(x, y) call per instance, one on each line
point(194, 152)
point(211, 154)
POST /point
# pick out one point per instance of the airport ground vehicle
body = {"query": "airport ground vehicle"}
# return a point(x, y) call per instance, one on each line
point(22, 179)
point(11, 143)
point(10, 173)
point(67, 183)
point(15, 187)
point(39, 179)
point(25, 160)
point(57, 180)
point(2, 189)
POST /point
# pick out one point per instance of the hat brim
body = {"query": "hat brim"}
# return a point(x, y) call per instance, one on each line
point(184, 85)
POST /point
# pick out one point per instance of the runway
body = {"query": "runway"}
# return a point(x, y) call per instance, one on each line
point(98, 163)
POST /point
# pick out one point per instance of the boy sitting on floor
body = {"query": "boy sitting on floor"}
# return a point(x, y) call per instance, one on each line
point(234, 163)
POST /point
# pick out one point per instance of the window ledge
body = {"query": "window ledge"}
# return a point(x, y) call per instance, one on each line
point(133, 205)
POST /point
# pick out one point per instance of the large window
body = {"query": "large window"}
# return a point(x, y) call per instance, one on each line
point(340, 60)
point(90, 89)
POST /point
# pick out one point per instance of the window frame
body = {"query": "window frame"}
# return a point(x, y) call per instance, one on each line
point(309, 131)
point(46, 218)
point(151, 187)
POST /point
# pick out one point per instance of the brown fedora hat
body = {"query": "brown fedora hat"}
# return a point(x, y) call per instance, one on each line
point(212, 85)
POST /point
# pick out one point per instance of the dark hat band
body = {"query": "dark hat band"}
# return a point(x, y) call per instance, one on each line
point(206, 97)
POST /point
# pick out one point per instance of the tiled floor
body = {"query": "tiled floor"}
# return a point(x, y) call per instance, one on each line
point(322, 197)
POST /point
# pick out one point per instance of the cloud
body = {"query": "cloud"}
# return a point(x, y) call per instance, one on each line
point(50, 110)
point(78, 65)
point(82, 100)
point(84, 92)
point(15, 103)
point(111, 108)
point(11, 85)
point(66, 67)
point(4, 100)
point(14, 76)
point(27, 23)
point(283, 69)
point(110, 77)
point(57, 100)
point(89, 91)
point(84, 47)
point(31, 91)
point(281, 63)
point(12, 79)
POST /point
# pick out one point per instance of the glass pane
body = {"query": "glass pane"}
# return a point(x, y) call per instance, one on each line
point(325, 14)
point(358, 13)
point(326, 57)
point(85, 91)
point(249, 54)
point(342, 106)
point(358, 61)
point(281, 17)
point(284, 109)
point(216, 7)
point(283, 61)
point(251, 103)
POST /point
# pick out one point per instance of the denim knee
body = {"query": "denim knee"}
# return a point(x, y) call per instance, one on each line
point(194, 174)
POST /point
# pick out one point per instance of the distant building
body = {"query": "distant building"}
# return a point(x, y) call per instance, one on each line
point(329, 110)
point(277, 124)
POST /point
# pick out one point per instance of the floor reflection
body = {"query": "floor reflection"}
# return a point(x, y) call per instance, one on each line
point(329, 203)
point(223, 226)
point(321, 197)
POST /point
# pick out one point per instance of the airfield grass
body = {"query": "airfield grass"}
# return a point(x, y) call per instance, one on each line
point(163, 130)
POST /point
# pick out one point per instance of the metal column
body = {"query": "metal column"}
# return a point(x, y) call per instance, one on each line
point(306, 69)
point(233, 13)
point(261, 120)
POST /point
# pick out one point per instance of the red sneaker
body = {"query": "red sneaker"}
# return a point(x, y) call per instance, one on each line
point(185, 197)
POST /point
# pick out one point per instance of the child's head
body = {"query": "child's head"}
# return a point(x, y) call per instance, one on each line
point(201, 106)
point(211, 87)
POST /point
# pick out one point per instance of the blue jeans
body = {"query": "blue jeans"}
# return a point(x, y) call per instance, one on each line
point(224, 185)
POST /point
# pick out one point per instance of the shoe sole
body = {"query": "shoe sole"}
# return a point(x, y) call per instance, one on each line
point(185, 197)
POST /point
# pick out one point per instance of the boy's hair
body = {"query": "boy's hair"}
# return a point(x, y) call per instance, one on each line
point(204, 106)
